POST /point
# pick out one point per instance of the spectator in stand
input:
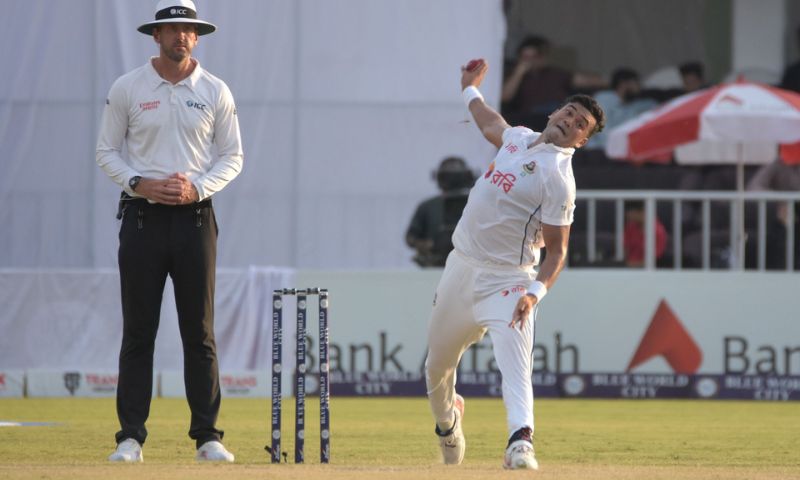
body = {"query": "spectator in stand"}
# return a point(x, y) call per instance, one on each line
point(791, 75)
point(692, 79)
point(621, 103)
point(535, 88)
point(778, 176)
point(692, 76)
point(634, 236)
point(435, 219)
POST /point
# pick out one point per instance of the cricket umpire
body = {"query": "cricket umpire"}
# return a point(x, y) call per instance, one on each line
point(180, 127)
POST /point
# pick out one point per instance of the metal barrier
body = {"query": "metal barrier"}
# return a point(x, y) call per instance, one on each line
point(743, 237)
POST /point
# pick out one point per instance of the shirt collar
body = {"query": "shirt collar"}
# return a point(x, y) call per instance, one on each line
point(191, 80)
point(551, 146)
point(155, 79)
point(565, 150)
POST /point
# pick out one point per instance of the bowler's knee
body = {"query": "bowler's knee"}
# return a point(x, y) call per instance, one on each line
point(438, 367)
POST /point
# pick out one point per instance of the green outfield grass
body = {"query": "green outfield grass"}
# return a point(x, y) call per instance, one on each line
point(393, 438)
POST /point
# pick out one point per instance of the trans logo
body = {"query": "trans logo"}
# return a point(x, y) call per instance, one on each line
point(667, 337)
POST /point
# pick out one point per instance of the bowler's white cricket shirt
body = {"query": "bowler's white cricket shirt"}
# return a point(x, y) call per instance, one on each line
point(170, 128)
point(523, 188)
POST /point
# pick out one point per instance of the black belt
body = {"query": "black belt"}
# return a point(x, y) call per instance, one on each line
point(126, 200)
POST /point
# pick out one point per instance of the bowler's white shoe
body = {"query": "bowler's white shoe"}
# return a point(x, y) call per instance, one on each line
point(213, 451)
point(128, 450)
point(519, 453)
point(452, 442)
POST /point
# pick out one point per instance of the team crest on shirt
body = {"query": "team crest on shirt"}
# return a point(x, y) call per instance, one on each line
point(528, 169)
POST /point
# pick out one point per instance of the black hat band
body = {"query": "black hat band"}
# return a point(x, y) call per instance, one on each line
point(176, 12)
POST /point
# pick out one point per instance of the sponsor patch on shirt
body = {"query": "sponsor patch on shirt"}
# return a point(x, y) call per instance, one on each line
point(503, 180)
point(514, 289)
point(144, 106)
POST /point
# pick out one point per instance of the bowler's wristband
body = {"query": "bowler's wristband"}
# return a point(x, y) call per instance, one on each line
point(471, 93)
point(537, 289)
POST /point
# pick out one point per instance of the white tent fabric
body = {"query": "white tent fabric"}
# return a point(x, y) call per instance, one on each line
point(72, 319)
point(345, 108)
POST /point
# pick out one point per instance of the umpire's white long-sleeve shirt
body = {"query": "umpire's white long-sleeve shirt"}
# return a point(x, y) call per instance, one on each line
point(170, 129)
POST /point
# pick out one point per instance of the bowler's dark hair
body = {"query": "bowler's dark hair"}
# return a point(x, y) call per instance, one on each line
point(593, 107)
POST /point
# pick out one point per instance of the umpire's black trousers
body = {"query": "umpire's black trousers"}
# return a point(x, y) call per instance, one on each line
point(180, 241)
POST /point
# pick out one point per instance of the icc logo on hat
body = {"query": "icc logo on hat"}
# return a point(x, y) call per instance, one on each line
point(177, 11)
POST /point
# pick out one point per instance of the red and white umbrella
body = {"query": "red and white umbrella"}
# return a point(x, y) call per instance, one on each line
point(740, 123)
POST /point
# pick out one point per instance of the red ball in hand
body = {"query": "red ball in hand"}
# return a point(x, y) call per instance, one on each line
point(472, 65)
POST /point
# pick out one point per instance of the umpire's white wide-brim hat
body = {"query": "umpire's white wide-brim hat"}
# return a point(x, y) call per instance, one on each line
point(177, 11)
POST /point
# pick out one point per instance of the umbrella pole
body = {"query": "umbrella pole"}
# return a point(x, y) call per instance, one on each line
point(740, 231)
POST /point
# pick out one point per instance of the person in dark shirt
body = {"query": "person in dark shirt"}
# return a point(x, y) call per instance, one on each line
point(534, 88)
point(432, 225)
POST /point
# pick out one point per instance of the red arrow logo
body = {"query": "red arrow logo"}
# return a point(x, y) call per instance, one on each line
point(666, 336)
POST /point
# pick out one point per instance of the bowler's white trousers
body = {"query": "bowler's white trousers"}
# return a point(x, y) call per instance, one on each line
point(471, 299)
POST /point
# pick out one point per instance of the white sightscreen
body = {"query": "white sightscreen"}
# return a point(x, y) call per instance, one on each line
point(345, 108)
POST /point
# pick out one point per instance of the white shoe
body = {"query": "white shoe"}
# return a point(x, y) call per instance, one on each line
point(129, 450)
point(519, 453)
point(452, 442)
point(213, 451)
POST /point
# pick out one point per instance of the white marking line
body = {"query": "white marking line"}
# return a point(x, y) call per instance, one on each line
point(26, 424)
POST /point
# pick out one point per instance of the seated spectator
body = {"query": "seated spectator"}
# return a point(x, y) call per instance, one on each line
point(634, 236)
point(777, 227)
point(778, 176)
point(622, 103)
point(692, 76)
point(692, 79)
point(533, 88)
point(435, 219)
